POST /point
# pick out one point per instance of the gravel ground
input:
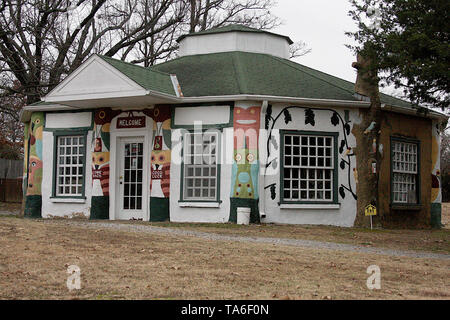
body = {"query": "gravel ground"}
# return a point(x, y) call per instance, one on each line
point(273, 241)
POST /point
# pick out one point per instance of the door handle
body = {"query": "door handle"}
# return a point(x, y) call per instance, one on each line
point(120, 179)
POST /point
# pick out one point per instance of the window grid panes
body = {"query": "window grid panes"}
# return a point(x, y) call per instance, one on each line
point(70, 165)
point(200, 166)
point(405, 169)
point(308, 168)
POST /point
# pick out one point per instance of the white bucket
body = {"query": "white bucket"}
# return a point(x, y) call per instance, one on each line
point(243, 215)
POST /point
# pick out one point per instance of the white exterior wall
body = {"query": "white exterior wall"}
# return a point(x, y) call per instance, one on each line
point(64, 207)
point(235, 41)
point(346, 213)
point(200, 212)
point(68, 120)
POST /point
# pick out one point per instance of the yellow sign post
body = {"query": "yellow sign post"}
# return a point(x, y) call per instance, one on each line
point(370, 210)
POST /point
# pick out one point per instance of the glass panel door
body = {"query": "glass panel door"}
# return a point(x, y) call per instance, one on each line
point(131, 176)
point(132, 182)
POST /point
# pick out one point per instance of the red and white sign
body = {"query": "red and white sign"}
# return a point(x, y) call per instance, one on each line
point(130, 122)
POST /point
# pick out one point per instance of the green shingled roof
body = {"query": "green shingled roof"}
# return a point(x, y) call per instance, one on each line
point(233, 28)
point(232, 73)
point(146, 78)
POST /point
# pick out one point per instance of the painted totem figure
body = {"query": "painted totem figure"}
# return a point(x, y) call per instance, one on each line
point(160, 162)
point(33, 152)
point(436, 194)
point(100, 162)
point(245, 170)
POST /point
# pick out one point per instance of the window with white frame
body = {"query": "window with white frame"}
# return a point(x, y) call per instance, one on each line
point(404, 172)
point(70, 165)
point(200, 170)
point(308, 168)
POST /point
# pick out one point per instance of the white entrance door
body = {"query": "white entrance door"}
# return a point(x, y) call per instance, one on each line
point(131, 202)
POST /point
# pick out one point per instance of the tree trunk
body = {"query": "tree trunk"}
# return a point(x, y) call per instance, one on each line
point(367, 133)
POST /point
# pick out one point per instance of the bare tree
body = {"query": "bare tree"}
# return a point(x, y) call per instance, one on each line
point(41, 41)
point(298, 49)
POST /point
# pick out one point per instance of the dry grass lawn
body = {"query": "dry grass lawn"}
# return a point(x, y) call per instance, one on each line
point(437, 241)
point(124, 265)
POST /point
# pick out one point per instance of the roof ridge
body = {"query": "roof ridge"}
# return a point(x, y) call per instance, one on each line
point(131, 64)
point(238, 68)
point(340, 79)
point(314, 76)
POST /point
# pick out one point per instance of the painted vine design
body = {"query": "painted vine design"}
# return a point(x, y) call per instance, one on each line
point(336, 119)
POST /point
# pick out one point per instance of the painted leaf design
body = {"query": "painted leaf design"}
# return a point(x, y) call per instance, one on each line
point(274, 164)
point(347, 128)
point(310, 117)
point(287, 116)
point(342, 192)
point(334, 119)
point(269, 110)
point(273, 193)
point(342, 164)
point(268, 115)
point(341, 147)
point(267, 121)
point(274, 142)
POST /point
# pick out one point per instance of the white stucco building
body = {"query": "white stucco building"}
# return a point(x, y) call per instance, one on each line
point(232, 122)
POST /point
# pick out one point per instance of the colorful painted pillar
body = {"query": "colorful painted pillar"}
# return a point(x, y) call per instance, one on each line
point(245, 168)
point(436, 194)
point(100, 162)
point(160, 163)
point(33, 166)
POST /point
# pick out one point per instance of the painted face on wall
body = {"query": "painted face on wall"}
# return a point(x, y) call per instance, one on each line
point(160, 173)
point(99, 159)
point(35, 176)
point(160, 159)
point(249, 117)
point(246, 127)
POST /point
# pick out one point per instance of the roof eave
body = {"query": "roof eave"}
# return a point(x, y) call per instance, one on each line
point(431, 114)
point(274, 99)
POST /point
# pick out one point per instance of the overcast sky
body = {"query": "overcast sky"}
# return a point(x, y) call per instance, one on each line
point(322, 25)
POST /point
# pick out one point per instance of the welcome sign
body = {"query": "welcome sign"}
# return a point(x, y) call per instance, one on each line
point(131, 122)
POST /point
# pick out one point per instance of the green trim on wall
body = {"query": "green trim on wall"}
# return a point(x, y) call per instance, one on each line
point(33, 206)
point(60, 133)
point(203, 104)
point(253, 204)
point(399, 205)
point(218, 171)
point(335, 136)
point(99, 207)
point(159, 209)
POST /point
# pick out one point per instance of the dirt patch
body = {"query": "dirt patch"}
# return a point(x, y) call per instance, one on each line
point(129, 265)
point(10, 208)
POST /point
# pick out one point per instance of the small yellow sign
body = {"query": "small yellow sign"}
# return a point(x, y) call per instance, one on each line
point(371, 210)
